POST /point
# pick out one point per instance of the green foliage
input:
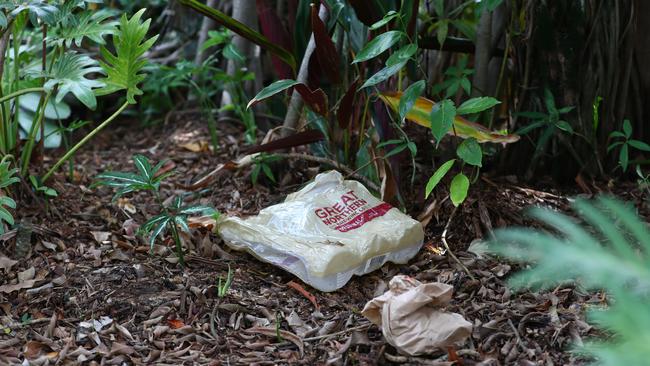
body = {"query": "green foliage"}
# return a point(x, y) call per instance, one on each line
point(625, 142)
point(611, 252)
point(68, 73)
point(7, 178)
point(457, 77)
point(39, 187)
point(223, 287)
point(124, 68)
point(148, 178)
point(95, 26)
point(550, 122)
point(410, 96)
point(261, 164)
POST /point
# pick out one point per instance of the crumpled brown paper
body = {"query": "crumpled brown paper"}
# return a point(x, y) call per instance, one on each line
point(411, 319)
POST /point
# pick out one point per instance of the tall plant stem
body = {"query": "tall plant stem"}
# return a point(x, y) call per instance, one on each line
point(21, 92)
point(26, 155)
point(86, 138)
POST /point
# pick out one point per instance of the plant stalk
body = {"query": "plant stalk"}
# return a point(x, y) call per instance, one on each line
point(86, 138)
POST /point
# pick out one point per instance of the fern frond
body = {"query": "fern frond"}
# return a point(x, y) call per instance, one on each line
point(610, 251)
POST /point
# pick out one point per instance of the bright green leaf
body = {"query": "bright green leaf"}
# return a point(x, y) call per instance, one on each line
point(124, 68)
point(442, 118)
point(476, 105)
point(458, 189)
point(378, 45)
point(410, 96)
point(437, 177)
point(69, 73)
point(470, 152)
point(271, 90)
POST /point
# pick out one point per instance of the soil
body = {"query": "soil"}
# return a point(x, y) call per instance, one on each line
point(85, 289)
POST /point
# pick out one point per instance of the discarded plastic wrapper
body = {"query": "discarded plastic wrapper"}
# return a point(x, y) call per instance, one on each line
point(411, 319)
point(326, 232)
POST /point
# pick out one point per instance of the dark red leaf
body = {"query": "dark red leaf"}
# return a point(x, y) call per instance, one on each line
point(367, 11)
point(297, 139)
point(274, 30)
point(326, 53)
point(315, 99)
point(345, 113)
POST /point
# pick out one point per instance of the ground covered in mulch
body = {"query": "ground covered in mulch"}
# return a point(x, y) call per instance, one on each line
point(78, 286)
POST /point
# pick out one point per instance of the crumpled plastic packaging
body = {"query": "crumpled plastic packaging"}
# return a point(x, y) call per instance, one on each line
point(411, 317)
point(327, 232)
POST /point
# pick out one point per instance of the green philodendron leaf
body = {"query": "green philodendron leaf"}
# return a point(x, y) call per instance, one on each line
point(69, 73)
point(437, 177)
point(271, 90)
point(94, 25)
point(378, 45)
point(476, 105)
point(402, 55)
point(124, 69)
point(458, 189)
point(470, 152)
point(410, 96)
point(442, 118)
point(385, 20)
point(383, 74)
point(36, 9)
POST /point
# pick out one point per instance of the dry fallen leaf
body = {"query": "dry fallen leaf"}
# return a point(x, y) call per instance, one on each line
point(19, 286)
point(175, 323)
point(101, 236)
point(6, 263)
point(196, 146)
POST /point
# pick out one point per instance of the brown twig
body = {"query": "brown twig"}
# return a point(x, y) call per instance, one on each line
point(444, 241)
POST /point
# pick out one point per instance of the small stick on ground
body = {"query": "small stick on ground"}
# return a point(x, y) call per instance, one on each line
point(444, 241)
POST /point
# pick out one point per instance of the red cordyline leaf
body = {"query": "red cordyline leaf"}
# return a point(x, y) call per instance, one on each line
point(367, 11)
point(297, 139)
point(274, 30)
point(345, 113)
point(326, 53)
point(315, 99)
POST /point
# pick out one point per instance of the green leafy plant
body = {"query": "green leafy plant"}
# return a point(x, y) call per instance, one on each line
point(38, 83)
point(625, 142)
point(612, 252)
point(148, 178)
point(457, 78)
point(261, 164)
point(224, 285)
point(7, 178)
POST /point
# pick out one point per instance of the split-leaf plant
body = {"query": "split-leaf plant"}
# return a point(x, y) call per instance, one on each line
point(49, 55)
point(170, 217)
point(610, 252)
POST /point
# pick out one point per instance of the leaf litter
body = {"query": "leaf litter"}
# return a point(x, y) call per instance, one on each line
point(83, 288)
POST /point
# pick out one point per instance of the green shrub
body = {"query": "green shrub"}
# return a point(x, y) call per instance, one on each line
point(609, 251)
